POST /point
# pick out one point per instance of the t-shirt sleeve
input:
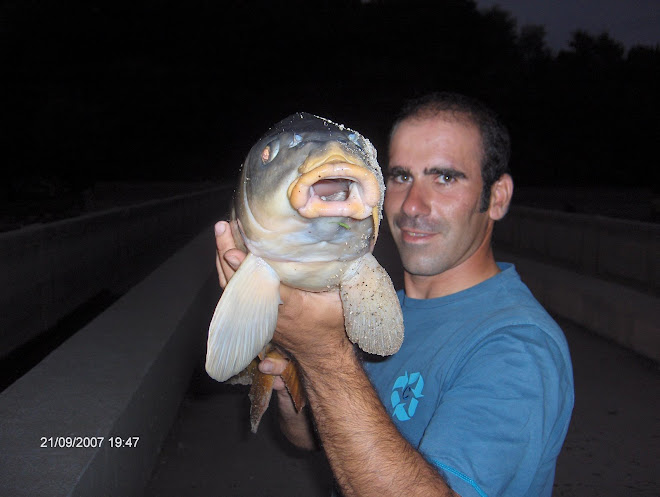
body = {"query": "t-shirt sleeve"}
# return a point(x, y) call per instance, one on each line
point(504, 415)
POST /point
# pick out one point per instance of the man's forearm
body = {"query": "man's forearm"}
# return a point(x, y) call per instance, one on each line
point(368, 455)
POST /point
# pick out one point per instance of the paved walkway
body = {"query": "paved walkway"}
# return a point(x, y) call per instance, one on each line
point(612, 448)
point(613, 444)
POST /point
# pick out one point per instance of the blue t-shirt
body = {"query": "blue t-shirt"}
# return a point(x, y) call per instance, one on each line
point(482, 386)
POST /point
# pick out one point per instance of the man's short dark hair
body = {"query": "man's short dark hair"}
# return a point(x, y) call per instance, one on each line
point(494, 134)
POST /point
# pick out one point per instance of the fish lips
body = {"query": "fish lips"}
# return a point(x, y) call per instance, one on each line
point(335, 184)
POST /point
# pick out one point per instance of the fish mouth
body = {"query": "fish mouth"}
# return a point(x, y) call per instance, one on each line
point(335, 184)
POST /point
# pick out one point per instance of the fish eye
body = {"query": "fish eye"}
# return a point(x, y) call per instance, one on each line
point(295, 141)
point(357, 140)
point(270, 152)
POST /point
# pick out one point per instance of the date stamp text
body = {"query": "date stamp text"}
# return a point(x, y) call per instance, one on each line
point(70, 442)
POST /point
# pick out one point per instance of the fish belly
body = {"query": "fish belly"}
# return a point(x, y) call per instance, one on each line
point(313, 276)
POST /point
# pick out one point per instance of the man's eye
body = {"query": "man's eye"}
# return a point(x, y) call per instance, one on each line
point(446, 179)
point(400, 177)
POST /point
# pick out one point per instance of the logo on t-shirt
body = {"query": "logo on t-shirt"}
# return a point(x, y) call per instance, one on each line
point(405, 392)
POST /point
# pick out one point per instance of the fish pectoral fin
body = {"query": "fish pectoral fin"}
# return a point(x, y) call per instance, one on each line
point(372, 313)
point(244, 319)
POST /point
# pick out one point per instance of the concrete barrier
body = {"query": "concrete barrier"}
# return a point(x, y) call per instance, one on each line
point(48, 271)
point(601, 273)
point(122, 375)
point(624, 251)
point(612, 310)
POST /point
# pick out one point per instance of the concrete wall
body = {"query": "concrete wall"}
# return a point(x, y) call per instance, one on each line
point(599, 272)
point(639, 203)
point(48, 271)
point(124, 374)
point(606, 248)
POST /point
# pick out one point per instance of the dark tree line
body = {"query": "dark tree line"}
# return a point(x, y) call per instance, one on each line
point(102, 89)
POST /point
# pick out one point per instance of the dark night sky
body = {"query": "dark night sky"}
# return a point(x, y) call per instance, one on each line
point(104, 89)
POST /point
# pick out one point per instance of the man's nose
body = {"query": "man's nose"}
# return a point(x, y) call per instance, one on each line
point(416, 202)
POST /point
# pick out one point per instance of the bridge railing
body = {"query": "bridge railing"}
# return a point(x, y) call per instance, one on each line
point(606, 248)
point(50, 270)
point(91, 417)
point(601, 273)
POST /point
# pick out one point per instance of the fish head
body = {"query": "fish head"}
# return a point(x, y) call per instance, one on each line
point(309, 177)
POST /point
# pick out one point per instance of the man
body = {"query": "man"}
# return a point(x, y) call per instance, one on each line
point(478, 399)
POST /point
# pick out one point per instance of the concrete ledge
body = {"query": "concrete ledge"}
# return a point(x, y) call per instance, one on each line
point(122, 375)
point(47, 271)
point(625, 315)
point(627, 252)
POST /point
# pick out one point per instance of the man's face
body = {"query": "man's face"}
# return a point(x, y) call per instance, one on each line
point(434, 193)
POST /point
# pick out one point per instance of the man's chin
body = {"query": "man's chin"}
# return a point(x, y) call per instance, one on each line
point(419, 265)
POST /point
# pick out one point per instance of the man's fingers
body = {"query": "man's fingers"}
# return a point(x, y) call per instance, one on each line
point(274, 367)
point(228, 257)
point(234, 257)
point(221, 274)
point(220, 228)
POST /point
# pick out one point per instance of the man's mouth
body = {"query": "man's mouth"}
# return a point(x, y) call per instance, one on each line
point(417, 229)
point(415, 236)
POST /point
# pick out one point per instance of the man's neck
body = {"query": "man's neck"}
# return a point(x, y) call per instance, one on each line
point(477, 268)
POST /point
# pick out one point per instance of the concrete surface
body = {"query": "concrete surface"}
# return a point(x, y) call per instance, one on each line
point(612, 448)
point(48, 270)
point(613, 444)
point(122, 375)
point(621, 250)
point(601, 273)
point(613, 310)
point(638, 203)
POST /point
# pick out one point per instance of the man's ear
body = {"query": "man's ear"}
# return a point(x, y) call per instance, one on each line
point(500, 197)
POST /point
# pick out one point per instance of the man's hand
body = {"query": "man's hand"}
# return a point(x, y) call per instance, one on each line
point(310, 325)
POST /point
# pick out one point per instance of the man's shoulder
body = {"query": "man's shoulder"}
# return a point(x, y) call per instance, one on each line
point(519, 313)
point(511, 300)
point(508, 310)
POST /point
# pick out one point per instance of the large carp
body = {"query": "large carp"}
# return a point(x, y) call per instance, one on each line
point(307, 209)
